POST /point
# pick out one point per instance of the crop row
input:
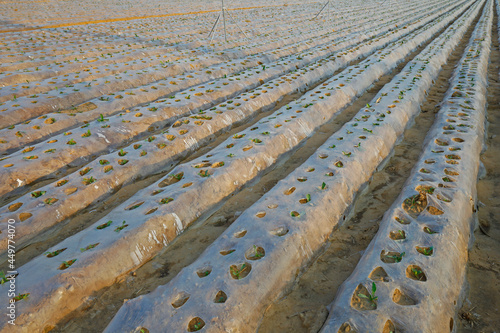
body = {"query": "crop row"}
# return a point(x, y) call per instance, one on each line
point(144, 224)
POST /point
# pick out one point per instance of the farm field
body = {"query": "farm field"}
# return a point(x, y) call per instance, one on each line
point(318, 167)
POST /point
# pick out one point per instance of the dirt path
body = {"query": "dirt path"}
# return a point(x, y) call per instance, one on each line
point(481, 310)
point(304, 308)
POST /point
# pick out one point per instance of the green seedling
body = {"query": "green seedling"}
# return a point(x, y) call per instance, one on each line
point(37, 194)
point(204, 173)
point(257, 254)
point(371, 296)
point(86, 134)
point(122, 152)
point(416, 272)
point(123, 226)
point(21, 297)
point(88, 181)
point(429, 190)
point(236, 272)
point(166, 200)
point(54, 253)
point(308, 197)
point(101, 118)
point(426, 251)
point(332, 146)
point(231, 155)
point(368, 105)
point(265, 133)
point(429, 231)
point(50, 201)
point(323, 186)
point(3, 278)
point(103, 162)
point(91, 246)
point(347, 153)
point(104, 225)
point(71, 142)
point(66, 264)
point(198, 326)
point(367, 130)
point(294, 214)
point(401, 233)
point(397, 258)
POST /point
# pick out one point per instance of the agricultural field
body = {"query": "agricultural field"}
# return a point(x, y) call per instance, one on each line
point(276, 166)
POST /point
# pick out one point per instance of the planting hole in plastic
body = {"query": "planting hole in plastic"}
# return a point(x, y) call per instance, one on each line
point(240, 234)
point(24, 216)
point(401, 298)
point(379, 274)
point(346, 328)
point(204, 271)
point(260, 214)
point(220, 297)
point(240, 271)
point(397, 235)
point(255, 253)
point(226, 252)
point(134, 205)
point(416, 273)
point(171, 179)
point(181, 298)
point(195, 324)
point(280, 231)
point(14, 207)
point(289, 191)
point(434, 211)
point(362, 303)
point(391, 257)
point(389, 327)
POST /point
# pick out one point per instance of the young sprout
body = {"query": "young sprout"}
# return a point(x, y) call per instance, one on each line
point(88, 181)
point(323, 186)
point(371, 296)
point(3, 278)
point(257, 254)
point(237, 272)
point(21, 297)
point(416, 272)
point(429, 230)
point(204, 173)
point(397, 258)
point(123, 226)
point(101, 118)
point(308, 197)
point(104, 225)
